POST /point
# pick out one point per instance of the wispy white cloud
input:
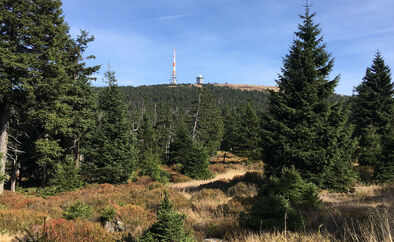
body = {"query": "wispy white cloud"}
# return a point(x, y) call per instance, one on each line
point(170, 17)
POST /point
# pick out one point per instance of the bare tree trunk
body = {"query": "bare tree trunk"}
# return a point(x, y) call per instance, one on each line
point(76, 153)
point(14, 171)
point(196, 119)
point(4, 123)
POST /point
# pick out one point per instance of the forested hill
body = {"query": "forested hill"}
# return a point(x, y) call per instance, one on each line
point(181, 96)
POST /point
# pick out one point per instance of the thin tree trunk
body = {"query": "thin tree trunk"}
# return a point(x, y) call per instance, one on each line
point(4, 123)
point(196, 120)
point(14, 171)
point(76, 153)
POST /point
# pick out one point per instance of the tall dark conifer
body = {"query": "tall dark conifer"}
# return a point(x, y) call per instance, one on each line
point(296, 130)
point(110, 156)
point(205, 122)
point(15, 55)
point(373, 109)
point(248, 137)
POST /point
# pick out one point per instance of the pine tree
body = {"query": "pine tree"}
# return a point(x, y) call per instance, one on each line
point(248, 139)
point(110, 156)
point(15, 56)
point(230, 133)
point(372, 109)
point(170, 225)
point(205, 121)
point(185, 151)
point(47, 88)
point(149, 159)
point(384, 167)
point(297, 125)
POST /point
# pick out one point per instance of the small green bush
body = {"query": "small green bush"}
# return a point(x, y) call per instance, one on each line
point(108, 214)
point(170, 225)
point(282, 197)
point(78, 210)
point(3, 207)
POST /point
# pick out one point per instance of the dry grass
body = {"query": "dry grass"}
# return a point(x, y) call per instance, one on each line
point(279, 237)
point(226, 157)
point(197, 183)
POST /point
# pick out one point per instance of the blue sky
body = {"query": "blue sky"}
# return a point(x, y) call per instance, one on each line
point(233, 41)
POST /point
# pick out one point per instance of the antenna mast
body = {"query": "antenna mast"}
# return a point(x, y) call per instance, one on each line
point(173, 77)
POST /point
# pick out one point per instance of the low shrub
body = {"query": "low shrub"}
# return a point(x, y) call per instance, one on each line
point(78, 210)
point(169, 226)
point(17, 220)
point(108, 214)
point(70, 230)
point(282, 199)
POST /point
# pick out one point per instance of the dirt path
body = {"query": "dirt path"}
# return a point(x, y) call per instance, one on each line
point(196, 183)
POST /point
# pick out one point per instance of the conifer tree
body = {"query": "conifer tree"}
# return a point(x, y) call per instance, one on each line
point(297, 125)
point(248, 139)
point(384, 167)
point(372, 109)
point(205, 122)
point(230, 131)
point(170, 225)
point(192, 156)
point(149, 158)
point(15, 56)
point(47, 88)
point(110, 156)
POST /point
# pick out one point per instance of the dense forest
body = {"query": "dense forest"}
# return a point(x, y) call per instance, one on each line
point(60, 133)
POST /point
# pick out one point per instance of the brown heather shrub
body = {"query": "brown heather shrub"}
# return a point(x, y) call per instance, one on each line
point(75, 231)
point(15, 220)
point(135, 218)
point(16, 200)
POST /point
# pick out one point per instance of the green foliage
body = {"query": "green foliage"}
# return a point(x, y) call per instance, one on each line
point(286, 196)
point(298, 129)
point(248, 134)
point(110, 155)
point(192, 157)
point(66, 176)
point(384, 167)
point(78, 210)
point(204, 120)
point(196, 163)
point(373, 104)
point(149, 151)
point(108, 214)
point(3, 207)
point(373, 107)
point(169, 226)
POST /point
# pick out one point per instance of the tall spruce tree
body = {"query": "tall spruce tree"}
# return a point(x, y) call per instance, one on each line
point(384, 167)
point(110, 156)
point(230, 131)
point(297, 128)
point(192, 156)
point(373, 109)
point(15, 55)
point(149, 156)
point(248, 140)
point(205, 122)
point(47, 87)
